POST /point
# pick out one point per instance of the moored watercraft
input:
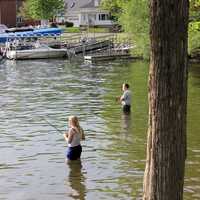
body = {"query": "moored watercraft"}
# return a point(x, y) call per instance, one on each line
point(42, 32)
point(42, 52)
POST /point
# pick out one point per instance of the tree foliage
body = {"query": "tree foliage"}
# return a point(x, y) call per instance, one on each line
point(133, 15)
point(41, 9)
point(114, 6)
point(134, 18)
point(23, 11)
point(195, 9)
point(194, 25)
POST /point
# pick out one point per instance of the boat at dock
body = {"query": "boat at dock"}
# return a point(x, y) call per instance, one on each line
point(27, 45)
point(42, 52)
point(18, 29)
point(41, 32)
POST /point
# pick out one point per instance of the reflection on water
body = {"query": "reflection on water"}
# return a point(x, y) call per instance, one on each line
point(32, 152)
point(126, 121)
point(76, 179)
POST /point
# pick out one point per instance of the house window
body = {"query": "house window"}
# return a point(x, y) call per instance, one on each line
point(19, 19)
point(103, 17)
point(83, 17)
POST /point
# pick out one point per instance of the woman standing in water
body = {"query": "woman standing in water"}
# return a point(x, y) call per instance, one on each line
point(73, 138)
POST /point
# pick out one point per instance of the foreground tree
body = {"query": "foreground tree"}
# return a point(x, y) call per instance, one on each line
point(166, 146)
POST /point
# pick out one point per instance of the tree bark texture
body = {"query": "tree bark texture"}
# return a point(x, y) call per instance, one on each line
point(166, 144)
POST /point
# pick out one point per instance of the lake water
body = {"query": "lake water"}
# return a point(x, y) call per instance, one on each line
point(35, 94)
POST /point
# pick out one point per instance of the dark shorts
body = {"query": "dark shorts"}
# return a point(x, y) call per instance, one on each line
point(127, 108)
point(74, 153)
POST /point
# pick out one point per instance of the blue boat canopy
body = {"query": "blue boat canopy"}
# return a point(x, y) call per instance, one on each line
point(42, 32)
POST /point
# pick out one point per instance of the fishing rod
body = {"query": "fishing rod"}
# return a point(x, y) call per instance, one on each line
point(52, 125)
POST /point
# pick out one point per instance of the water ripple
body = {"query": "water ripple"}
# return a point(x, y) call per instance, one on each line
point(32, 152)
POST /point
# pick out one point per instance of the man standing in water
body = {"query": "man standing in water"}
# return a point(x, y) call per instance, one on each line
point(125, 99)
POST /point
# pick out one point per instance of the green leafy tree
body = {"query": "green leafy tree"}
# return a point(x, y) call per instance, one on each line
point(133, 15)
point(135, 21)
point(194, 10)
point(23, 11)
point(194, 25)
point(134, 18)
point(115, 7)
point(42, 9)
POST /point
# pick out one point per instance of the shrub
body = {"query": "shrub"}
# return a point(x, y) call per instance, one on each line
point(69, 24)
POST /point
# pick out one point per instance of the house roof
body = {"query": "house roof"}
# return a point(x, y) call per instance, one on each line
point(76, 5)
point(91, 4)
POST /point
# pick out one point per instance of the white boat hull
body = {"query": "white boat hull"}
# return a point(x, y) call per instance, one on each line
point(36, 54)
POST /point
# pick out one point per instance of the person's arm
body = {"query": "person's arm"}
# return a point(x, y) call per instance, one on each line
point(122, 98)
point(69, 136)
point(65, 135)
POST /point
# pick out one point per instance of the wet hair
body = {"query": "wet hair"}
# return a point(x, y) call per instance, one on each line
point(75, 122)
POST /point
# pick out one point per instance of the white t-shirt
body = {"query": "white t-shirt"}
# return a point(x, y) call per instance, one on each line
point(126, 98)
point(76, 138)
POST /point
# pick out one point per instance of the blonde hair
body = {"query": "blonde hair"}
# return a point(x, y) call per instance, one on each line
point(75, 122)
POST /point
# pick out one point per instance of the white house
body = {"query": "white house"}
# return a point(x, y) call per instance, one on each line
point(86, 13)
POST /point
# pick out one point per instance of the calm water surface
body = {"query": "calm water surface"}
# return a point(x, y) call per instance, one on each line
point(36, 93)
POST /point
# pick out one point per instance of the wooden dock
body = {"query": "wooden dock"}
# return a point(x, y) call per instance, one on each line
point(107, 56)
point(91, 46)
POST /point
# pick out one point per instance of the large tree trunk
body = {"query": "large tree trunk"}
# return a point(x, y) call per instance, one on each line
point(166, 145)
